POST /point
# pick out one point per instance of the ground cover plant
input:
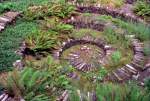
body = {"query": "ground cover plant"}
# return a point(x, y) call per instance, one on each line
point(142, 8)
point(68, 55)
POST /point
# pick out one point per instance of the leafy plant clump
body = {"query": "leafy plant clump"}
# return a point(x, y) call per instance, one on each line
point(61, 10)
point(142, 8)
point(41, 40)
point(27, 84)
point(116, 57)
point(54, 23)
point(5, 7)
point(37, 84)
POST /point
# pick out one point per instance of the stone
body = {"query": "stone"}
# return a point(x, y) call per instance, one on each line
point(117, 76)
point(74, 55)
point(131, 67)
point(75, 63)
point(3, 19)
point(130, 70)
point(107, 47)
point(11, 15)
point(139, 56)
point(1, 96)
point(137, 65)
point(4, 97)
point(126, 71)
point(2, 24)
point(82, 65)
point(18, 64)
point(136, 76)
point(142, 83)
point(2, 27)
point(123, 72)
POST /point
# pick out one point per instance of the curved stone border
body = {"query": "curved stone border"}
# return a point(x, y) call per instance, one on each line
point(98, 9)
point(88, 24)
point(6, 18)
point(132, 70)
point(128, 71)
point(85, 40)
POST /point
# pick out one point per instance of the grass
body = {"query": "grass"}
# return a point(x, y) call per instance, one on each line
point(140, 30)
point(22, 5)
point(10, 40)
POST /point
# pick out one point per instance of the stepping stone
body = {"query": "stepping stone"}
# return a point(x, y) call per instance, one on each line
point(117, 76)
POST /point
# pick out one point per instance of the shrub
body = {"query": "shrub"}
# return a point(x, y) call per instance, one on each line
point(116, 57)
point(41, 40)
point(26, 84)
point(61, 10)
point(5, 7)
point(142, 8)
point(56, 25)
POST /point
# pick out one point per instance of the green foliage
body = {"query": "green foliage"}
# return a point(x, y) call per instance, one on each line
point(41, 40)
point(116, 57)
point(5, 7)
point(142, 8)
point(97, 75)
point(56, 25)
point(55, 70)
point(22, 5)
point(61, 10)
point(27, 84)
point(10, 40)
point(110, 36)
